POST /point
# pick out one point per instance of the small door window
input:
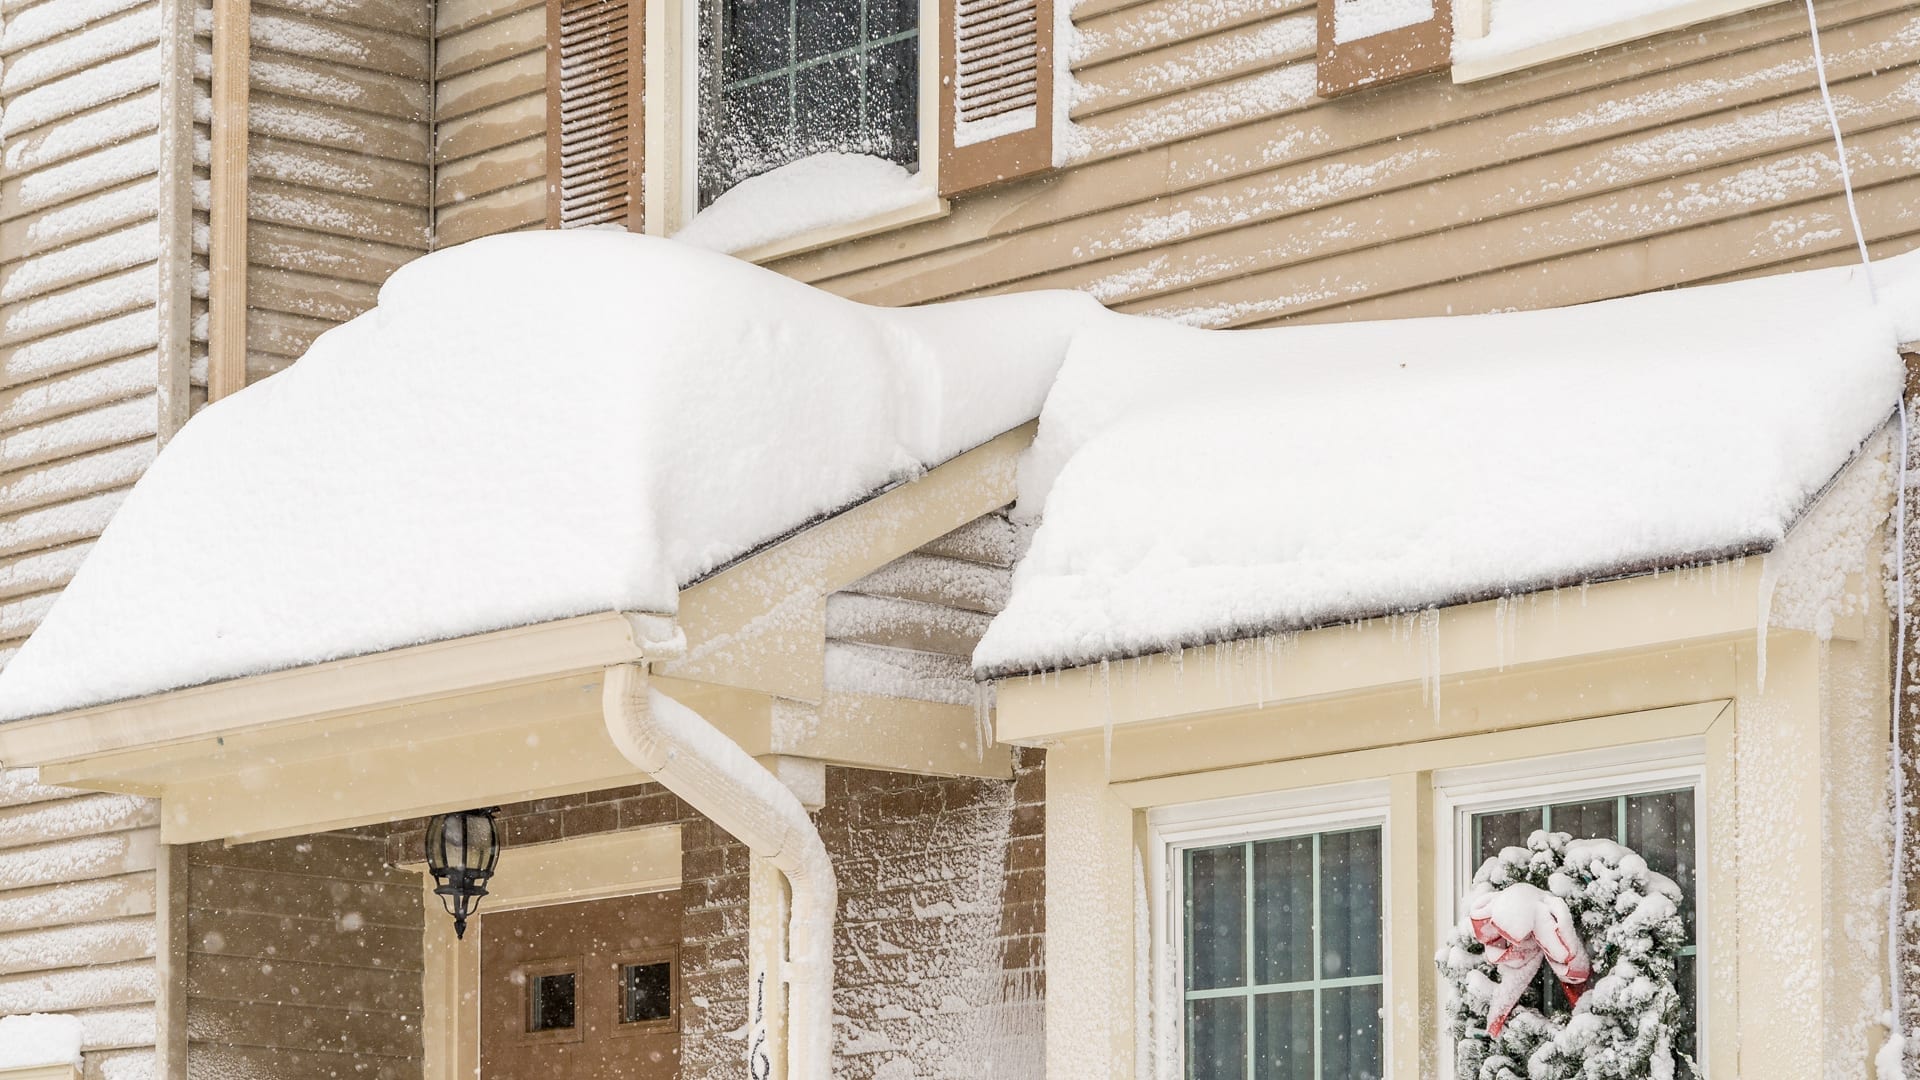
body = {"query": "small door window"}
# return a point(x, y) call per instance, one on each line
point(647, 992)
point(550, 1001)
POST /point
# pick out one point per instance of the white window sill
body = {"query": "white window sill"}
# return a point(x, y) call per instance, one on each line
point(1588, 39)
point(931, 208)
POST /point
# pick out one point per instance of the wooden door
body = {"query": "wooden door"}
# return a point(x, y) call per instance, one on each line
point(583, 991)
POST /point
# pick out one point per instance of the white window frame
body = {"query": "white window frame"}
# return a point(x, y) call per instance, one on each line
point(1174, 830)
point(1459, 794)
point(684, 107)
point(1472, 19)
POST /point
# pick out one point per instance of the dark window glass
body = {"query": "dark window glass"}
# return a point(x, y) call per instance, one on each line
point(647, 992)
point(550, 1002)
point(786, 79)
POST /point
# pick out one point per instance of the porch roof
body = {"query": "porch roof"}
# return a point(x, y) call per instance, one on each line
point(1204, 486)
point(527, 428)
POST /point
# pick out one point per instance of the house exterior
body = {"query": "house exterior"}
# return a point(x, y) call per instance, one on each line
point(191, 195)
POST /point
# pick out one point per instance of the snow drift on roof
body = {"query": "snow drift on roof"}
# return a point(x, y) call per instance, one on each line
point(1204, 485)
point(526, 428)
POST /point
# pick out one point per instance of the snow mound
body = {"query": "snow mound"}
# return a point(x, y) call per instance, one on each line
point(528, 427)
point(39, 1039)
point(1202, 485)
point(814, 192)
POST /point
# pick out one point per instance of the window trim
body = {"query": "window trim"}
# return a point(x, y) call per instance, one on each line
point(683, 161)
point(1174, 830)
point(1472, 21)
point(1460, 793)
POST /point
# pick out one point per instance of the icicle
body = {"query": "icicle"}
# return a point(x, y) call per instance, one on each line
point(1769, 575)
point(982, 719)
point(1500, 633)
point(1106, 719)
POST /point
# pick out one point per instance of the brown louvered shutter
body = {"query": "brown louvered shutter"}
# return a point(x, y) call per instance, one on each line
point(594, 112)
point(1355, 56)
point(996, 91)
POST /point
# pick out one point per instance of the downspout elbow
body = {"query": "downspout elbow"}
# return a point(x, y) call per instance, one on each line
point(699, 763)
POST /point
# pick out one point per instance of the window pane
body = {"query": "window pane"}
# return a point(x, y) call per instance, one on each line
point(1660, 828)
point(886, 18)
point(1504, 830)
point(825, 26)
point(893, 102)
point(827, 106)
point(1216, 917)
point(550, 1002)
point(1687, 981)
point(1591, 820)
point(1217, 1039)
point(1283, 910)
point(1283, 1036)
point(1350, 904)
point(756, 35)
point(647, 992)
point(1350, 1032)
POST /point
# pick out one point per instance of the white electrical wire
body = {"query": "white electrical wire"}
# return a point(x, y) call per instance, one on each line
point(1839, 147)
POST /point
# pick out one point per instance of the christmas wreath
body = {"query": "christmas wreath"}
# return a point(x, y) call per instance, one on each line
point(1610, 931)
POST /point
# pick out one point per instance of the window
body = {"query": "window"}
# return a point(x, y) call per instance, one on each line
point(550, 1001)
point(1284, 974)
point(1273, 934)
point(1494, 39)
point(1649, 798)
point(785, 79)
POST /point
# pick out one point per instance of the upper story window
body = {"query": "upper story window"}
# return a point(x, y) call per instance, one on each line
point(781, 80)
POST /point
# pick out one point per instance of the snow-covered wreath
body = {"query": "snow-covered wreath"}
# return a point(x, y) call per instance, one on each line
point(1610, 930)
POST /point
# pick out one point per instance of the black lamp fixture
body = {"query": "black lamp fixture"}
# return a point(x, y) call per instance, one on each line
point(462, 849)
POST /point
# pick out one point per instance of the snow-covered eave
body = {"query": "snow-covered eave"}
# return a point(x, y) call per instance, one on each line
point(1698, 599)
point(448, 724)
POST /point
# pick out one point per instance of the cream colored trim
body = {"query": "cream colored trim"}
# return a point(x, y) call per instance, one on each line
point(587, 868)
point(41, 1072)
point(502, 658)
point(227, 256)
point(1610, 619)
point(733, 637)
point(174, 304)
point(663, 188)
point(931, 208)
point(1361, 765)
point(1673, 17)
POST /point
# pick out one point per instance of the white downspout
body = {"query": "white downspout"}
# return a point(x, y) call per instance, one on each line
point(699, 763)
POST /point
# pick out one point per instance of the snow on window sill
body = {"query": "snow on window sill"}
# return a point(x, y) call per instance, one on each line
point(1544, 38)
point(927, 209)
point(810, 203)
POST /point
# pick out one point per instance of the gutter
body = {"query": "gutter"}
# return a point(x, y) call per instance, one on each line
point(699, 763)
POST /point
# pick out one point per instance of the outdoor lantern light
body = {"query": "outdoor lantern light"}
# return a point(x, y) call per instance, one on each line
point(461, 852)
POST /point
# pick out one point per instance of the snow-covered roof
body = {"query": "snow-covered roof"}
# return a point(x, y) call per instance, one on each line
point(537, 426)
point(527, 427)
point(1201, 485)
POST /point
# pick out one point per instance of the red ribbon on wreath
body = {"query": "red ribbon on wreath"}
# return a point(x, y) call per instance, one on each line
point(1521, 926)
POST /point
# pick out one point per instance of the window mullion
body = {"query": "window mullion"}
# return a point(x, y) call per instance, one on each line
point(1247, 978)
point(1315, 972)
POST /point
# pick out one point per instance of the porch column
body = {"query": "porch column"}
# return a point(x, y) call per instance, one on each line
point(1090, 918)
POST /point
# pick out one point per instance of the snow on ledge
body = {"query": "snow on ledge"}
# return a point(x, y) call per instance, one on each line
point(39, 1039)
point(817, 192)
point(1203, 485)
point(527, 427)
point(1522, 33)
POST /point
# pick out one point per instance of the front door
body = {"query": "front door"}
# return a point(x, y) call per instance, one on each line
point(583, 991)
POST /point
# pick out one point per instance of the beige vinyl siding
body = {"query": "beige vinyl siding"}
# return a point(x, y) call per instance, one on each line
point(80, 252)
point(77, 917)
point(339, 192)
point(303, 959)
point(490, 110)
point(1209, 184)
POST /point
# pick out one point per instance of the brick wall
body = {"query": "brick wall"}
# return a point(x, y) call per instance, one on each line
point(938, 947)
